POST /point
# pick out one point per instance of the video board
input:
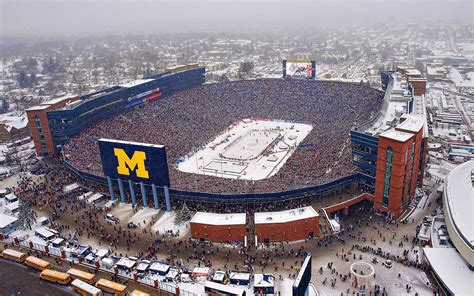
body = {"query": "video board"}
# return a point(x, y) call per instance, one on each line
point(299, 69)
point(138, 162)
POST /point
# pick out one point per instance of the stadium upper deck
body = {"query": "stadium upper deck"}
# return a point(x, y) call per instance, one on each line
point(61, 121)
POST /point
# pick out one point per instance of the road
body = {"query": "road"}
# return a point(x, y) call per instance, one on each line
point(19, 279)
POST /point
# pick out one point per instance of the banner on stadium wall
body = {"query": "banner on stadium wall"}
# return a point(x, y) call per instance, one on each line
point(143, 97)
point(138, 162)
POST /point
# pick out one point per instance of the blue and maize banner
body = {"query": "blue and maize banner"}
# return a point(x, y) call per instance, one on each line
point(138, 162)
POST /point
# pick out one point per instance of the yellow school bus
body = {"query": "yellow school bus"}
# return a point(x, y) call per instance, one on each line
point(14, 255)
point(139, 293)
point(55, 276)
point(81, 275)
point(85, 289)
point(37, 263)
point(111, 287)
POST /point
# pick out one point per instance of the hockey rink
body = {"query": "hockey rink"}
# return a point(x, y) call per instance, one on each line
point(249, 149)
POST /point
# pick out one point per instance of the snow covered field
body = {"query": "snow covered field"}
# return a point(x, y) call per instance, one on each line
point(249, 150)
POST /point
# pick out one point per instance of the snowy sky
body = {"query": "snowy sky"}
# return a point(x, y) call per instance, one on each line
point(98, 17)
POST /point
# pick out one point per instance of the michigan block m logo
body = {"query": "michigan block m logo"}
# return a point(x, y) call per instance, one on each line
point(126, 164)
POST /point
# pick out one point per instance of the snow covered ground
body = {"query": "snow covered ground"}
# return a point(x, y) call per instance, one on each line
point(166, 223)
point(143, 217)
point(124, 212)
point(249, 150)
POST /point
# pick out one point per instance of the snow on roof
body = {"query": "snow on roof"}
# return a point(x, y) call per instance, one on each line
point(95, 197)
point(131, 143)
point(47, 104)
point(128, 263)
point(44, 232)
point(11, 196)
point(219, 219)
point(13, 206)
point(285, 216)
point(451, 269)
point(135, 83)
point(12, 121)
point(239, 276)
point(42, 219)
point(396, 135)
point(71, 187)
point(263, 280)
point(220, 287)
point(159, 266)
point(201, 270)
point(58, 241)
point(102, 253)
point(6, 220)
point(460, 199)
point(412, 123)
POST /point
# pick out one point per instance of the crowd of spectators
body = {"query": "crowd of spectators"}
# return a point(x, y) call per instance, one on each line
point(188, 120)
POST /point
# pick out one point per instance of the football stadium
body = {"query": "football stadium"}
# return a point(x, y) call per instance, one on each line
point(303, 127)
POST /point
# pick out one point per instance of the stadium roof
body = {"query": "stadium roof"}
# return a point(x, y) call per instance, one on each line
point(219, 219)
point(460, 199)
point(412, 123)
point(135, 83)
point(285, 216)
point(451, 269)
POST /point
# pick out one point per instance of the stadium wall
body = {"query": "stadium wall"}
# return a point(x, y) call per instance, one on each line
point(218, 233)
point(287, 231)
point(320, 190)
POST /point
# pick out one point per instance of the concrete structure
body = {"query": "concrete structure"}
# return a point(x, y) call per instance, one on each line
point(39, 126)
point(290, 225)
point(219, 227)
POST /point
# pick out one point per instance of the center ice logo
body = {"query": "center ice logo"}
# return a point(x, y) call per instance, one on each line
point(126, 164)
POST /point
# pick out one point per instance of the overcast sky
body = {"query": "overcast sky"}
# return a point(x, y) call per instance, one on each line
point(99, 17)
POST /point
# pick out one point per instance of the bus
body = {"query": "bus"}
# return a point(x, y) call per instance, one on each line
point(85, 289)
point(55, 276)
point(36, 263)
point(81, 275)
point(14, 255)
point(139, 293)
point(111, 287)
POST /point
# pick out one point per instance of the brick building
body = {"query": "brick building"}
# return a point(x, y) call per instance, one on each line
point(398, 164)
point(290, 225)
point(219, 227)
point(38, 124)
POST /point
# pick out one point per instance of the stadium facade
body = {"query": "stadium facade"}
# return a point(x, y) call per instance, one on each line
point(389, 149)
point(53, 123)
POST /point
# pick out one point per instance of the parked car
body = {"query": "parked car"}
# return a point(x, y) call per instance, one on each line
point(111, 218)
